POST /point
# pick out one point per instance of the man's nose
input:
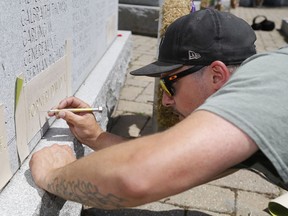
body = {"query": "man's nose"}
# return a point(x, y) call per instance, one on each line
point(167, 100)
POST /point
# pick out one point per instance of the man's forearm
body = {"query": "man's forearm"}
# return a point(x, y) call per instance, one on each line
point(107, 139)
point(84, 192)
point(79, 183)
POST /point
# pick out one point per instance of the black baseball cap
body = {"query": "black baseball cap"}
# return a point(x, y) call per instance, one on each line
point(200, 38)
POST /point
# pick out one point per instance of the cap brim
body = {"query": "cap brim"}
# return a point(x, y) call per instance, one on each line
point(155, 69)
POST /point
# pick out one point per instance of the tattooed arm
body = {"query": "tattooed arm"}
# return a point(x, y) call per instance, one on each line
point(50, 170)
point(145, 169)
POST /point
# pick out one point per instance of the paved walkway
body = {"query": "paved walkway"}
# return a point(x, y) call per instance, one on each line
point(241, 194)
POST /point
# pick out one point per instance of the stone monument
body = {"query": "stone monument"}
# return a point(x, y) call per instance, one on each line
point(51, 49)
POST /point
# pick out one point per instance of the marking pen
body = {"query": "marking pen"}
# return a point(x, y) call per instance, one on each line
point(77, 110)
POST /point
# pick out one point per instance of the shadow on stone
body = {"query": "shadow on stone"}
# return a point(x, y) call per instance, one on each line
point(51, 205)
point(282, 33)
point(31, 182)
point(78, 148)
point(58, 135)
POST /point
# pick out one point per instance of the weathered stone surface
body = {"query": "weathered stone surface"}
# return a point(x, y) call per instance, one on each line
point(139, 19)
point(34, 34)
point(21, 196)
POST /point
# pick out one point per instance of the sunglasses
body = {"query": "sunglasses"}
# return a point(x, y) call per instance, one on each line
point(167, 81)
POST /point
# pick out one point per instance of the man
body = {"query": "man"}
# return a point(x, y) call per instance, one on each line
point(229, 116)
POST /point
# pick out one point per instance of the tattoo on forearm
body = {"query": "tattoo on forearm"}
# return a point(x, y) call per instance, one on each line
point(85, 193)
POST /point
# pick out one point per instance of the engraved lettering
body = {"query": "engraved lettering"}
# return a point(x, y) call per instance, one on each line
point(35, 14)
point(47, 95)
point(36, 33)
point(38, 37)
point(37, 51)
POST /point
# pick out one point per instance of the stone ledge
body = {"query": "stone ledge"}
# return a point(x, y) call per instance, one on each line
point(21, 196)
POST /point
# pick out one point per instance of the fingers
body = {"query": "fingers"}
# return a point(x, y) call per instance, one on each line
point(70, 102)
point(48, 154)
point(68, 149)
point(56, 148)
point(70, 117)
point(46, 161)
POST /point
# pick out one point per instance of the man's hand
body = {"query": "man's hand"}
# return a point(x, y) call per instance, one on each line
point(47, 160)
point(83, 125)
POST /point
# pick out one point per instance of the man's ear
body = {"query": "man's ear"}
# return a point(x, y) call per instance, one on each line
point(220, 74)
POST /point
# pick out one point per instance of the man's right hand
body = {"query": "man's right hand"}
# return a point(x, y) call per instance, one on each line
point(83, 125)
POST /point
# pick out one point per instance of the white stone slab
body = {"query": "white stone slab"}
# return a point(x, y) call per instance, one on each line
point(21, 196)
point(5, 170)
point(33, 37)
point(33, 40)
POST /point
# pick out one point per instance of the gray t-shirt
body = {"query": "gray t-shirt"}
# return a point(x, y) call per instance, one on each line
point(255, 99)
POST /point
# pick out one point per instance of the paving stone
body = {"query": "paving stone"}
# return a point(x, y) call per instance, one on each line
point(130, 92)
point(206, 197)
point(145, 99)
point(149, 90)
point(130, 106)
point(264, 39)
point(147, 48)
point(146, 59)
point(251, 204)
point(249, 181)
point(140, 62)
point(137, 82)
point(203, 213)
point(146, 78)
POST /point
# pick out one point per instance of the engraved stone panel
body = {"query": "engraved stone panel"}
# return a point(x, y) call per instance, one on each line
point(33, 38)
point(36, 97)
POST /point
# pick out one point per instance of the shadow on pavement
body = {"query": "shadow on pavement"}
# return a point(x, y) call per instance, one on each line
point(140, 212)
point(122, 124)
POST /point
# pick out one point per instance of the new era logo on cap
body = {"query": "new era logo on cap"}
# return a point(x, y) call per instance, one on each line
point(193, 55)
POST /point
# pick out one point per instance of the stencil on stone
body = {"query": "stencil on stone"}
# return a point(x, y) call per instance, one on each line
point(35, 98)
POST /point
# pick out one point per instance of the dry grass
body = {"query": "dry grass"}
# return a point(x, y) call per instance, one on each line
point(171, 10)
